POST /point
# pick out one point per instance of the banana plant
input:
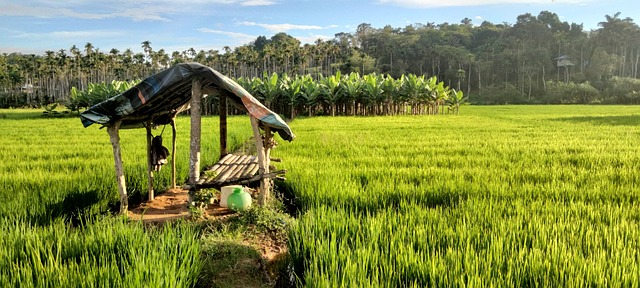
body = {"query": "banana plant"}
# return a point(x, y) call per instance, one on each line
point(441, 96)
point(268, 88)
point(333, 91)
point(310, 93)
point(456, 98)
point(352, 88)
point(96, 93)
point(290, 91)
point(391, 94)
point(414, 89)
point(372, 90)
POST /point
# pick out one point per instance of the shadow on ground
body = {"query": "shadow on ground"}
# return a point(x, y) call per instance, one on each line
point(76, 207)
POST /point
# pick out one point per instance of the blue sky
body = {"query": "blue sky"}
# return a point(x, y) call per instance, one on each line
point(33, 26)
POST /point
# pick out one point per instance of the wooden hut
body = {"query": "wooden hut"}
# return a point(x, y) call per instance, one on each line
point(159, 98)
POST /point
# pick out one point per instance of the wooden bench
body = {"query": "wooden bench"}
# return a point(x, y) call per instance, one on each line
point(234, 169)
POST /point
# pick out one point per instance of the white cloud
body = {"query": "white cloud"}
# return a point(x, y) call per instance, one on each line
point(450, 3)
point(281, 27)
point(47, 12)
point(257, 3)
point(240, 37)
point(158, 10)
point(80, 35)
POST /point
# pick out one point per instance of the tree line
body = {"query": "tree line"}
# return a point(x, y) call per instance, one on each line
point(538, 59)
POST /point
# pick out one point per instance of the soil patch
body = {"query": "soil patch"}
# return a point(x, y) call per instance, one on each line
point(254, 259)
point(172, 205)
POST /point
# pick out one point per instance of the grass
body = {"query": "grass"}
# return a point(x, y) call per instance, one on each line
point(499, 196)
point(232, 249)
point(58, 182)
point(510, 196)
point(106, 253)
point(59, 169)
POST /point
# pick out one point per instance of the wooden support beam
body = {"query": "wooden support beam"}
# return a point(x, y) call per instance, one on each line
point(173, 153)
point(117, 159)
point(245, 181)
point(149, 161)
point(194, 157)
point(266, 182)
point(222, 105)
point(262, 163)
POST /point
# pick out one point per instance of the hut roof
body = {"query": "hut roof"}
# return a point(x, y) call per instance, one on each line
point(161, 96)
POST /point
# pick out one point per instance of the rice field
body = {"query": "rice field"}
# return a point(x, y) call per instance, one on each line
point(510, 196)
point(57, 168)
point(498, 196)
point(58, 188)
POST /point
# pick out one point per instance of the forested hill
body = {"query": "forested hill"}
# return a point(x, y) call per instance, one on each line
point(537, 59)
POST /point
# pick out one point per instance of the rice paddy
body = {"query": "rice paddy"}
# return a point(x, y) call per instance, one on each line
point(498, 196)
point(513, 196)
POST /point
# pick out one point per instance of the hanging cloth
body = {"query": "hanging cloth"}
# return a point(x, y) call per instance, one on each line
point(159, 153)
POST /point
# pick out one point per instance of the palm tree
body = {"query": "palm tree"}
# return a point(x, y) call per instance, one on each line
point(146, 47)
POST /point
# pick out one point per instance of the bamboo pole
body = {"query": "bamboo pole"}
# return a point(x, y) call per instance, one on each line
point(223, 124)
point(173, 153)
point(117, 159)
point(263, 168)
point(149, 161)
point(194, 158)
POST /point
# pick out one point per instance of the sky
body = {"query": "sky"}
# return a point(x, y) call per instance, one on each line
point(34, 26)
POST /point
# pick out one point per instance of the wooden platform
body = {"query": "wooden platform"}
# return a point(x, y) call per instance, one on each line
point(231, 169)
point(234, 170)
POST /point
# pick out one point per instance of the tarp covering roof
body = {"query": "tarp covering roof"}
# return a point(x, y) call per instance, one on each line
point(163, 95)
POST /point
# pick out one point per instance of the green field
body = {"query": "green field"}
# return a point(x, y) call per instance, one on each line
point(58, 179)
point(511, 196)
point(498, 196)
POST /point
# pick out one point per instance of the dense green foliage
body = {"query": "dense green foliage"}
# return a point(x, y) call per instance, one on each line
point(513, 196)
point(476, 59)
point(96, 93)
point(352, 94)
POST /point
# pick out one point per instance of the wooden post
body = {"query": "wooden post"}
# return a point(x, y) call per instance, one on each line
point(267, 182)
point(263, 168)
point(117, 159)
point(268, 136)
point(173, 153)
point(194, 158)
point(223, 124)
point(149, 161)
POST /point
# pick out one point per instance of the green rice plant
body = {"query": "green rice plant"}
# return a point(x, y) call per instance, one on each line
point(109, 252)
point(51, 168)
point(509, 196)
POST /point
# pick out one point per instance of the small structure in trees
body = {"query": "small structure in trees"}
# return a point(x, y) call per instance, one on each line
point(564, 61)
point(159, 98)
